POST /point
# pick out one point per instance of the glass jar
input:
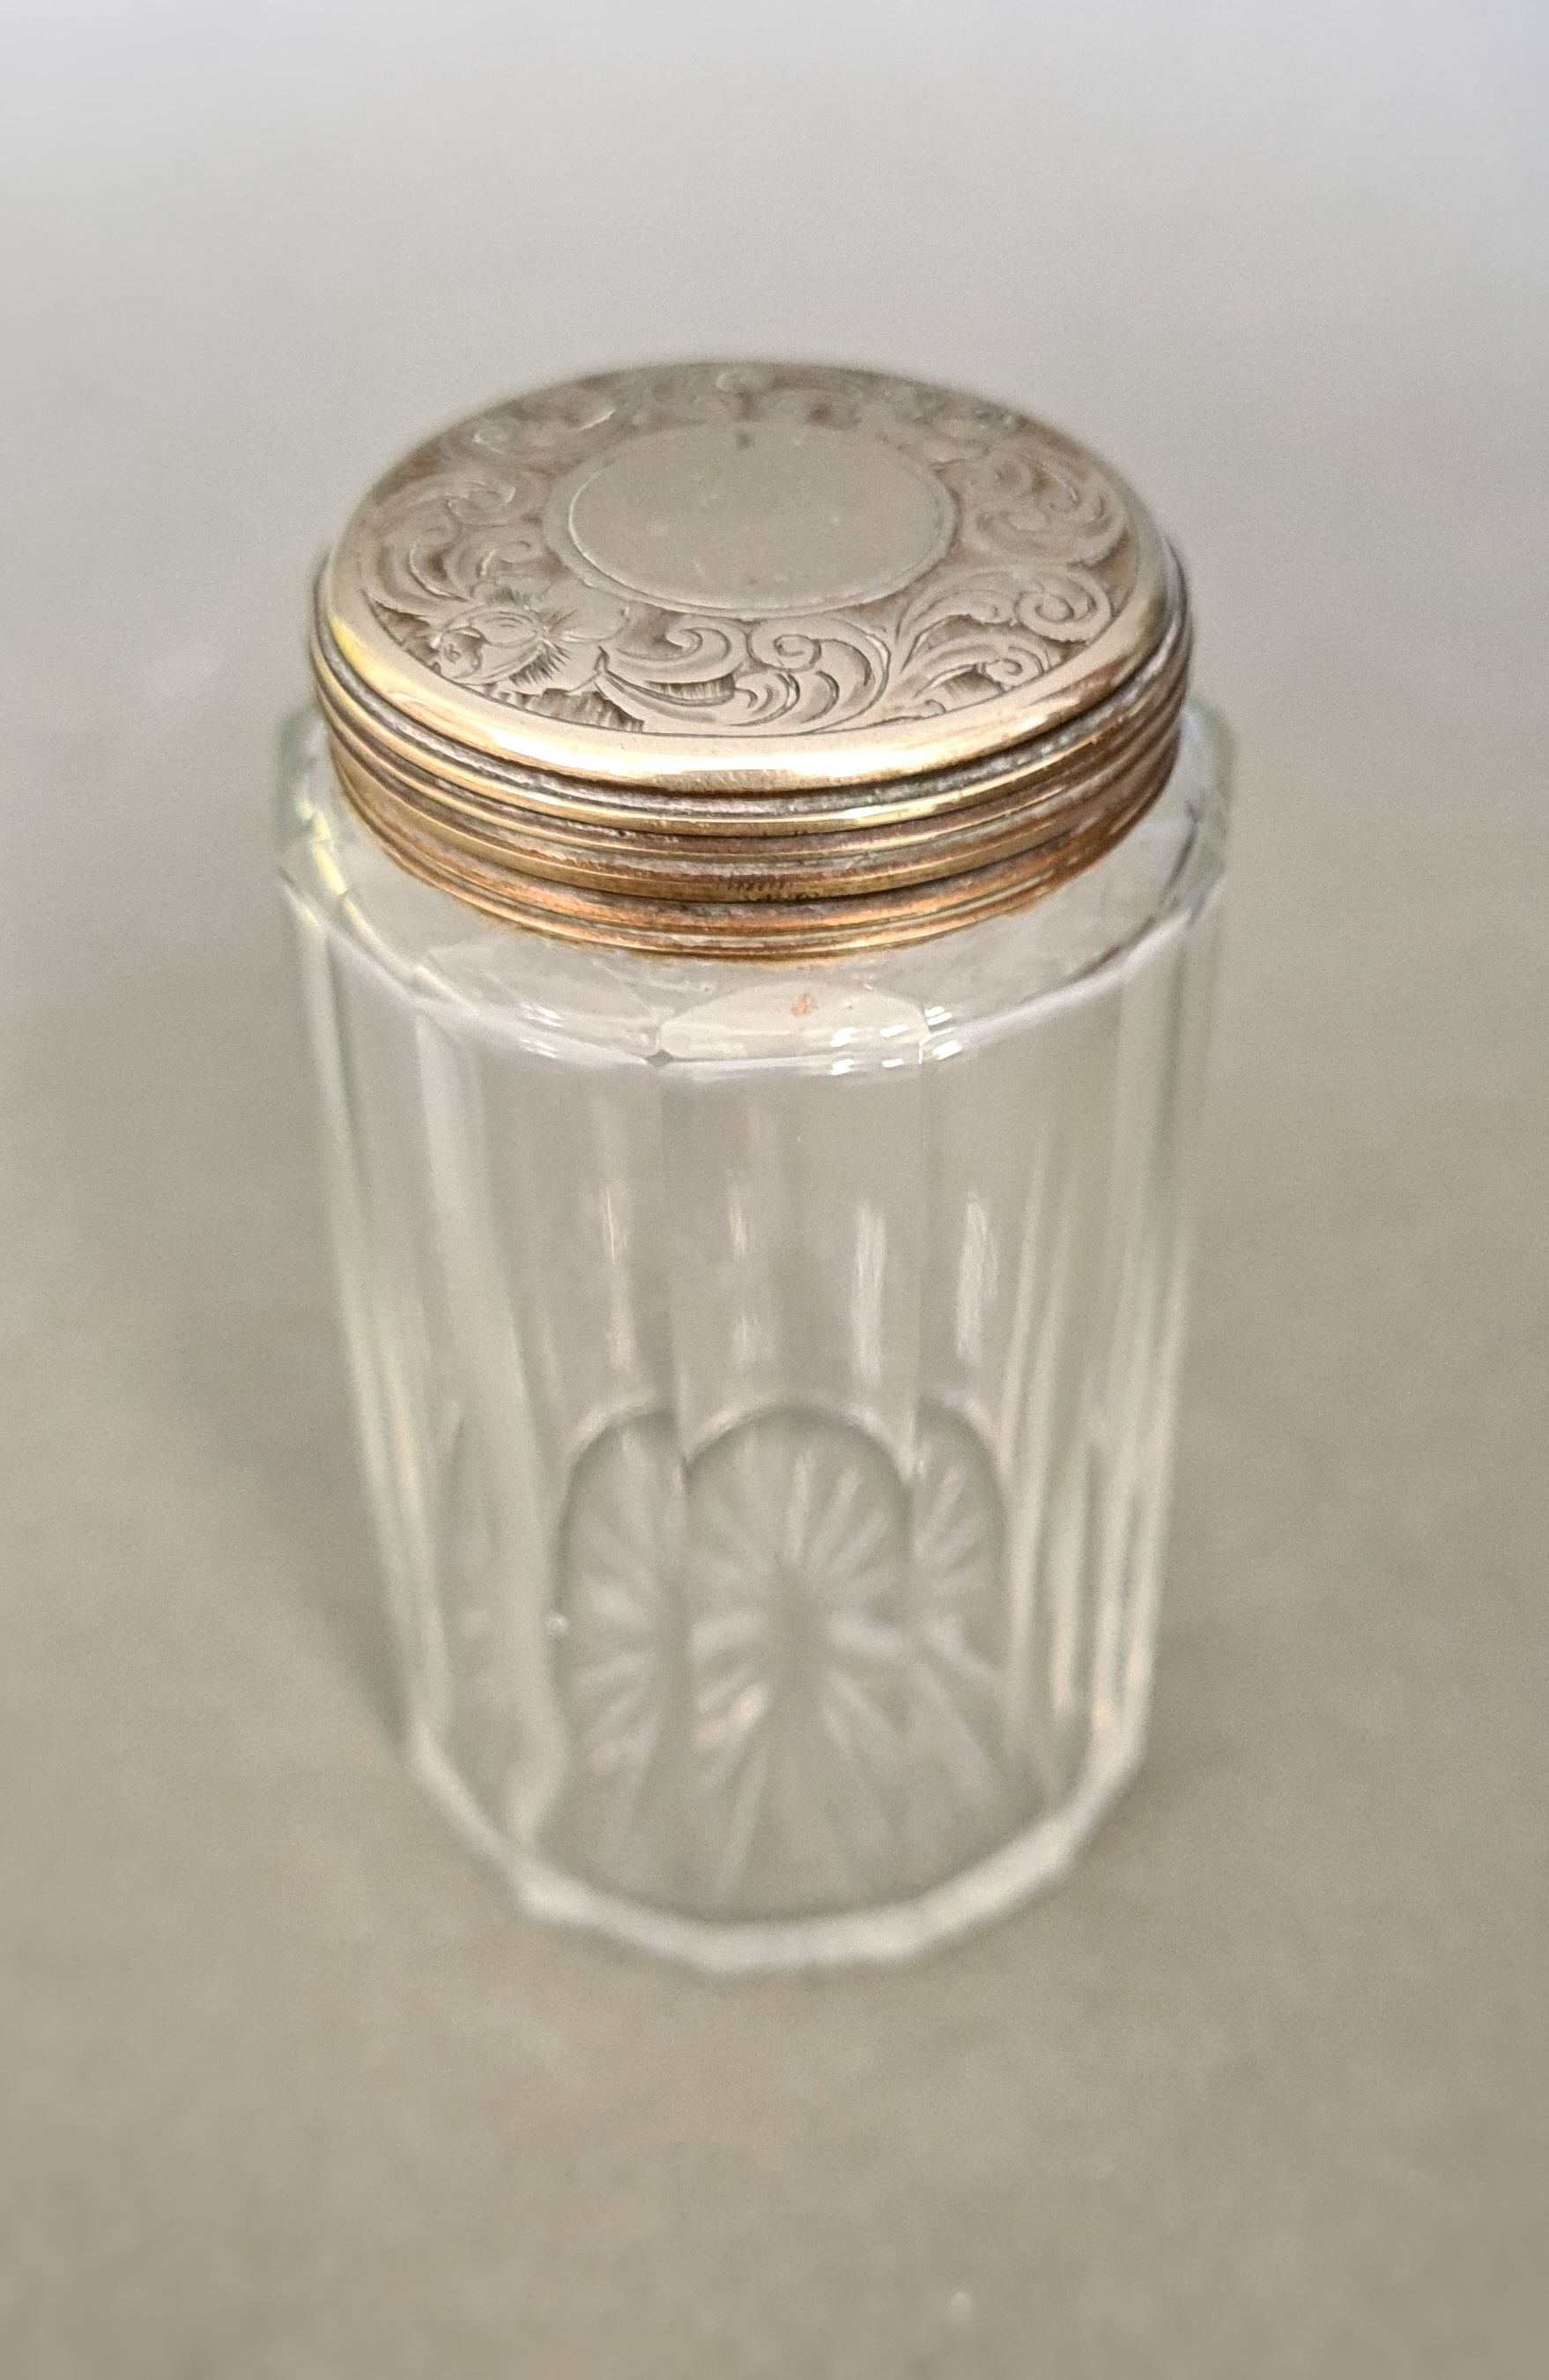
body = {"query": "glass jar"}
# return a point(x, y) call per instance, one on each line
point(763, 1238)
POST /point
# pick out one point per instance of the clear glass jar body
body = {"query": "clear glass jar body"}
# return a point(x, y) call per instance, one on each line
point(765, 1378)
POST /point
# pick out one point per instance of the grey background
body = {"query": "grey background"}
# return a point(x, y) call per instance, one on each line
point(1265, 2089)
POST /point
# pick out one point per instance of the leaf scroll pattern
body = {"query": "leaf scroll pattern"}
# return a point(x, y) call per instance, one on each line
point(460, 573)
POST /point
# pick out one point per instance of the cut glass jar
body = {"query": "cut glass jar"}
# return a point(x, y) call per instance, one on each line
point(756, 876)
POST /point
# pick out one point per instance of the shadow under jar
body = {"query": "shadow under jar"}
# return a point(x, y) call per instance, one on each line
point(755, 869)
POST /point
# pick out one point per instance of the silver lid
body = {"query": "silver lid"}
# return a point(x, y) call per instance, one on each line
point(748, 657)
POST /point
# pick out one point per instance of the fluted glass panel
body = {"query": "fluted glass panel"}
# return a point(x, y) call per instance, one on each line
point(766, 1379)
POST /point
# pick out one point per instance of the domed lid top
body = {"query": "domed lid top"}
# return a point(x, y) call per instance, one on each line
point(744, 576)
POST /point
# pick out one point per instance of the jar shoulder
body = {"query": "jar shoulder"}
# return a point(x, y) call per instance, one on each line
point(603, 1002)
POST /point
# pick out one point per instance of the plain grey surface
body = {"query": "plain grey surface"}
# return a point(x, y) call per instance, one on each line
point(1264, 2090)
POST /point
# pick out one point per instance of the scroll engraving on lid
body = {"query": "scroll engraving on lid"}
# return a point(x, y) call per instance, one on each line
point(748, 658)
point(746, 554)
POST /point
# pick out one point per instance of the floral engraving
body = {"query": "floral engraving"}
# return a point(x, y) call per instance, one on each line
point(782, 1666)
point(459, 570)
point(528, 633)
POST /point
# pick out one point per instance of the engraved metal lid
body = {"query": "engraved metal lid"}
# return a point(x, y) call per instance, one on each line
point(750, 657)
